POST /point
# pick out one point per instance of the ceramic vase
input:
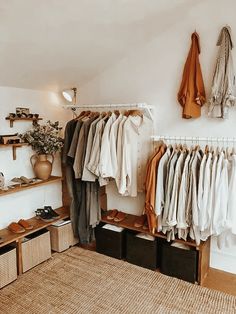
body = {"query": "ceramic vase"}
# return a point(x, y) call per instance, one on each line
point(42, 166)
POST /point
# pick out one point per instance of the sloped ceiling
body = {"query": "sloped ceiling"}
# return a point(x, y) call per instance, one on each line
point(53, 44)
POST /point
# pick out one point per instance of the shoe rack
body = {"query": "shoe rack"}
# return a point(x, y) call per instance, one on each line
point(38, 224)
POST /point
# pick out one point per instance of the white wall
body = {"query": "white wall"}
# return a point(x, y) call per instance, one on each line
point(152, 73)
point(23, 204)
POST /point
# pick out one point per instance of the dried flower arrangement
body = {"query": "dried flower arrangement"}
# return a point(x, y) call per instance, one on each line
point(44, 139)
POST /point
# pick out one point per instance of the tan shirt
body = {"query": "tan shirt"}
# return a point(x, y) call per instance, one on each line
point(151, 188)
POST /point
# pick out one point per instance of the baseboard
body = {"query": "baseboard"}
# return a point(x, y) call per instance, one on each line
point(223, 261)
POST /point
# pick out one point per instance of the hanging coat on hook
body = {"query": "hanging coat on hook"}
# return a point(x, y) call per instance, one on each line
point(223, 93)
point(191, 95)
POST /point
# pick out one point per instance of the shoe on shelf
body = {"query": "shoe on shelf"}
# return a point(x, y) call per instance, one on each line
point(51, 211)
point(43, 214)
point(25, 224)
point(22, 180)
point(112, 214)
point(1, 240)
point(26, 180)
point(120, 217)
point(140, 221)
point(16, 228)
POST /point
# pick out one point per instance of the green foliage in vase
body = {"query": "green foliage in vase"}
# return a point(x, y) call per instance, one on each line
point(44, 139)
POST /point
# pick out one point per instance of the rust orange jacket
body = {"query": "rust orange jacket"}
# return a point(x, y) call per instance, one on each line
point(151, 176)
point(191, 95)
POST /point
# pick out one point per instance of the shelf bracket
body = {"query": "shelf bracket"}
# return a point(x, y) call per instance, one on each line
point(14, 152)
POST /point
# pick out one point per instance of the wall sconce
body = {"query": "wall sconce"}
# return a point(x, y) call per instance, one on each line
point(70, 95)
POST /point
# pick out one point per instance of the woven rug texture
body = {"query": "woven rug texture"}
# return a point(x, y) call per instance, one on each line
point(81, 281)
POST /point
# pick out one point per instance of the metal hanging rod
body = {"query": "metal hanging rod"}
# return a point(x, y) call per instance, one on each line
point(193, 139)
point(146, 107)
point(137, 105)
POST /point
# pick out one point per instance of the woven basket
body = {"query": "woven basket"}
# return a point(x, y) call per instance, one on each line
point(36, 249)
point(8, 268)
point(62, 237)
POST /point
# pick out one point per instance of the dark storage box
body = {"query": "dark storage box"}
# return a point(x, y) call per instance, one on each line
point(141, 252)
point(180, 263)
point(110, 242)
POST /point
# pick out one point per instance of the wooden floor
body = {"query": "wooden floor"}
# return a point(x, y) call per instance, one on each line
point(221, 280)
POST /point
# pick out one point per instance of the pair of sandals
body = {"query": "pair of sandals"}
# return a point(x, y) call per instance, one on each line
point(20, 227)
point(22, 180)
point(141, 222)
point(116, 215)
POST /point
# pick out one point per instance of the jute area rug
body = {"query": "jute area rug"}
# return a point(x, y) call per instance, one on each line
point(80, 281)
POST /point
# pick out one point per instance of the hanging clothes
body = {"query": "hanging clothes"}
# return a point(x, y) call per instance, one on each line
point(71, 183)
point(100, 148)
point(191, 95)
point(223, 92)
point(193, 195)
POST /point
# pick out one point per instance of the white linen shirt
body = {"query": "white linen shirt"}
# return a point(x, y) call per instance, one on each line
point(183, 193)
point(205, 219)
point(220, 213)
point(201, 188)
point(96, 147)
point(217, 194)
point(113, 138)
point(136, 149)
point(105, 164)
point(228, 237)
point(119, 149)
point(172, 212)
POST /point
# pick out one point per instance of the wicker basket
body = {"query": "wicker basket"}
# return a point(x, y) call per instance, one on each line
point(36, 249)
point(8, 268)
point(62, 237)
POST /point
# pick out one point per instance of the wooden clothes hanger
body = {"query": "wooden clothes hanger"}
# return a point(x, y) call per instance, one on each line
point(206, 149)
point(135, 112)
point(80, 115)
point(83, 114)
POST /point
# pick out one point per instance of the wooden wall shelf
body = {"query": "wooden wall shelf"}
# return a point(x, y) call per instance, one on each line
point(203, 249)
point(52, 179)
point(14, 147)
point(12, 120)
point(128, 223)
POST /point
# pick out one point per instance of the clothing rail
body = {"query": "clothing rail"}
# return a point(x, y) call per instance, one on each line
point(146, 107)
point(194, 139)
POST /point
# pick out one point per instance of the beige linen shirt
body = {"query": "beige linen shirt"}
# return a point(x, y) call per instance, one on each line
point(136, 149)
point(113, 139)
point(88, 175)
point(105, 163)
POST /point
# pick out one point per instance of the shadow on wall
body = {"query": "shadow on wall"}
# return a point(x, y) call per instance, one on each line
point(149, 28)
